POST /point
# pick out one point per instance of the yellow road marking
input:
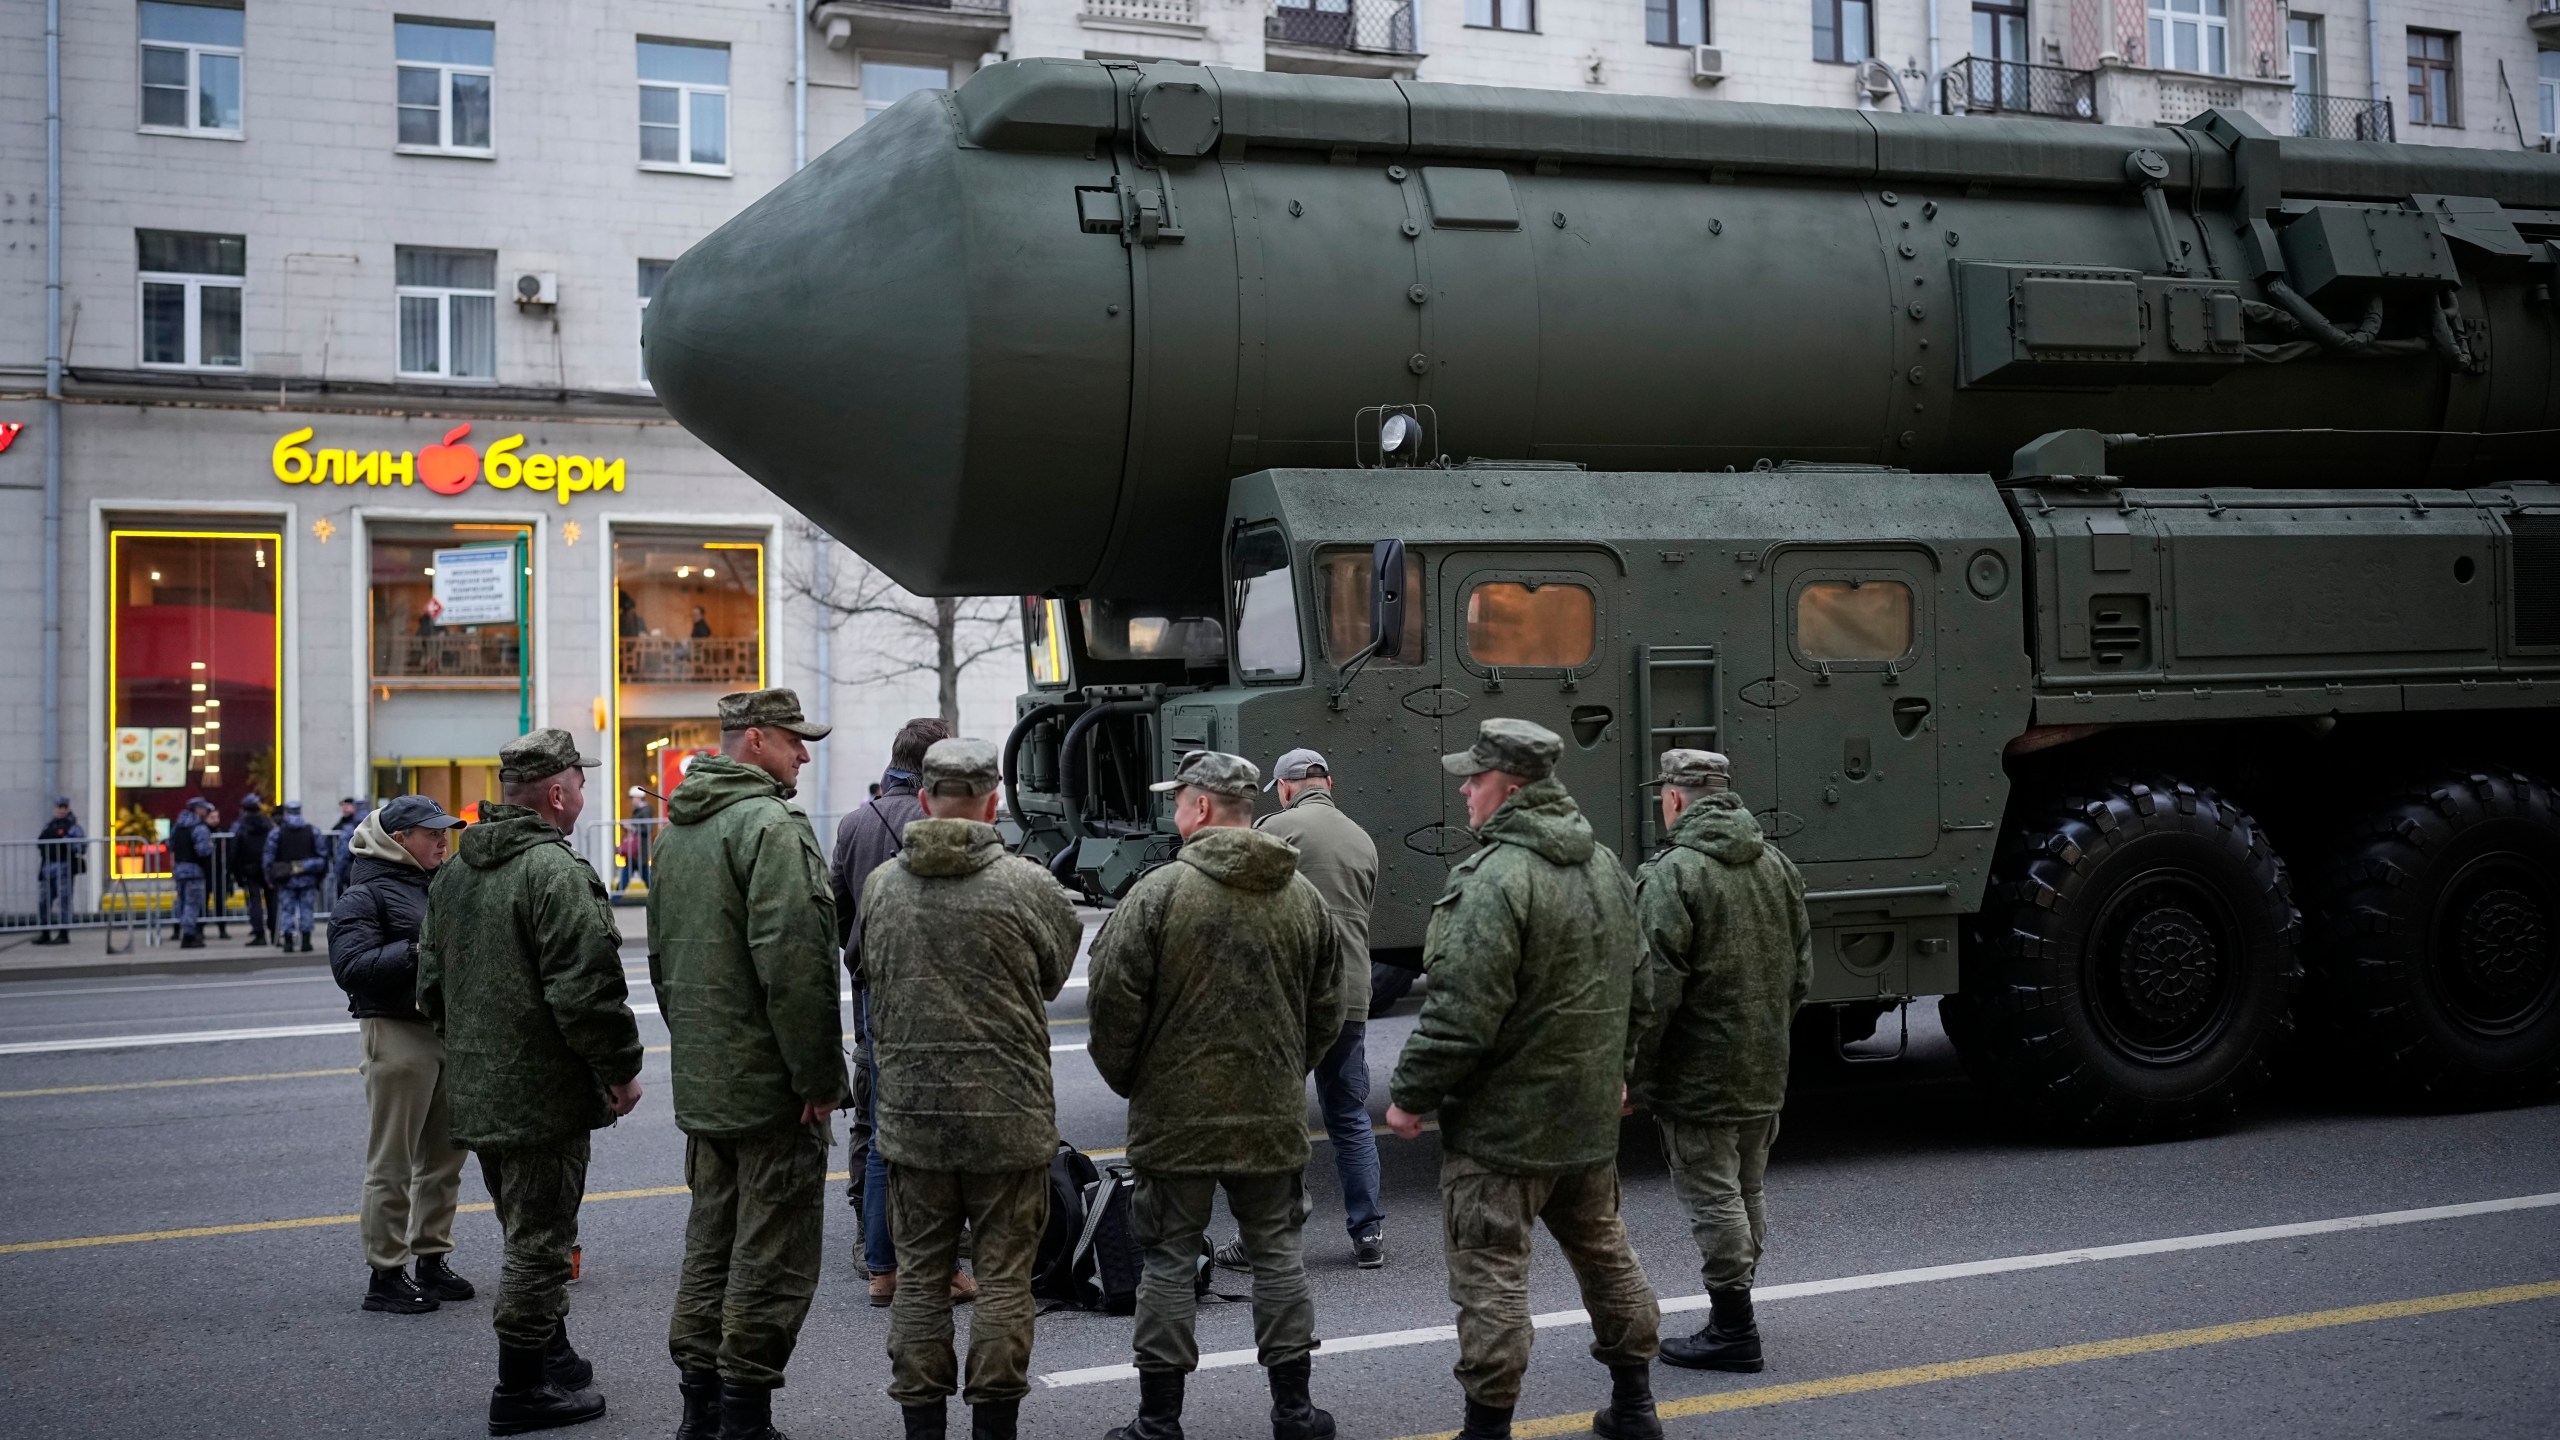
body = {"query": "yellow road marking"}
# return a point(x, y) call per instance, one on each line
point(2009, 1364)
point(203, 1080)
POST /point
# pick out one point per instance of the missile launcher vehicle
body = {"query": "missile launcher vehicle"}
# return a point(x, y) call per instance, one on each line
point(2122, 564)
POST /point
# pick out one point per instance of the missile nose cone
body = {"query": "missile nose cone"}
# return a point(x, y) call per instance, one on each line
point(836, 342)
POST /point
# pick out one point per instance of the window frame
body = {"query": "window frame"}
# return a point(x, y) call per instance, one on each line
point(1460, 645)
point(1839, 28)
point(1495, 12)
point(1669, 11)
point(686, 92)
point(444, 296)
point(2447, 68)
point(195, 282)
point(444, 73)
point(871, 107)
point(195, 51)
point(1237, 594)
point(2160, 17)
point(1857, 576)
point(2547, 93)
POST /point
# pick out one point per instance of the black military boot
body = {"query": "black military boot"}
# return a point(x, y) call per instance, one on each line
point(1729, 1341)
point(392, 1293)
point(701, 1392)
point(994, 1419)
point(1630, 1414)
point(436, 1277)
point(930, 1421)
point(569, 1370)
point(746, 1413)
point(1293, 1415)
point(1486, 1422)
point(528, 1398)
point(1159, 1408)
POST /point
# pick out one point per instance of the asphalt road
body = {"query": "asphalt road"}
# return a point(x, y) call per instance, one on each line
point(116, 1320)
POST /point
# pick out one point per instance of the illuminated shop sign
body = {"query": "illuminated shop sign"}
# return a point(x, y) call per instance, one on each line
point(447, 469)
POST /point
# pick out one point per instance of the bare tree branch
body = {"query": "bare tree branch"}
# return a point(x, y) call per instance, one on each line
point(895, 633)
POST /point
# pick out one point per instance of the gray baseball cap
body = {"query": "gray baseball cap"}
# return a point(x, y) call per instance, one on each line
point(1514, 747)
point(1695, 770)
point(414, 812)
point(1217, 772)
point(1298, 765)
point(961, 767)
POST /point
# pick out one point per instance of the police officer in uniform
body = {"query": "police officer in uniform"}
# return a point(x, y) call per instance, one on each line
point(742, 936)
point(520, 967)
point(1216, 986)
point(1732, 957)
point(191, 847)
point(965, 946)
point(1523, 1047)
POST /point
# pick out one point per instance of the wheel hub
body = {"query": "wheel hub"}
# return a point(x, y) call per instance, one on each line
point(2168, 965)
point(2161, 967)
point(2497, 966)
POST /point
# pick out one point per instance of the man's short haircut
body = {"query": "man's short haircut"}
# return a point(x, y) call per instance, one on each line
point(1690, 794)
point(914, 738)
point(525, 793)
point(1224, 806)
point(953, 807)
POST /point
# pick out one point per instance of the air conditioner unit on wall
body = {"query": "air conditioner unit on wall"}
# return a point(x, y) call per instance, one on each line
point(1706, 65)
point(541, 288)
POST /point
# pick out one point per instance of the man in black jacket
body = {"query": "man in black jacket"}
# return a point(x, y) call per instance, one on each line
point(248, 867)
point(413, 1170)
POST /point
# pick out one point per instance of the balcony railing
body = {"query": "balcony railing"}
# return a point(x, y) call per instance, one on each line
point(1377, 26)
point(2341, 117)
point(964, 7)
point(448, 655)
point(1981, 86)
point(666, 660)
point(1157, 12)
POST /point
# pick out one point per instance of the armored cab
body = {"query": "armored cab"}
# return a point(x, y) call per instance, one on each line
point(2121, 563)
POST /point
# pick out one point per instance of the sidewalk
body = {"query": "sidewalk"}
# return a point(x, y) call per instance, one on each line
point(86, 957)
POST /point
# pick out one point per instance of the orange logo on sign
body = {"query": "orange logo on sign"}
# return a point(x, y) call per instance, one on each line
point(449, 468)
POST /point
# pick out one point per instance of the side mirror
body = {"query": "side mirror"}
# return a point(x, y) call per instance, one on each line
point(1386, 598)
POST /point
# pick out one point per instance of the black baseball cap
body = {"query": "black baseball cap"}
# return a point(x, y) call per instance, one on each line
point(414, 812)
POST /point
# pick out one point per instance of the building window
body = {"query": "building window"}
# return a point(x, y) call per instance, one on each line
point(684, 105)
point(2432, 97)
point(1502, 14)
point(446, 71)
point(2192, 35)
point(886, 82)
point(1675, 22)
point(193, 651)
point(1844, 31)
point(191, 68)
point(448, 313)
point(688, 628)
point(2549, 86)
point(190, 297)
point(651, 272)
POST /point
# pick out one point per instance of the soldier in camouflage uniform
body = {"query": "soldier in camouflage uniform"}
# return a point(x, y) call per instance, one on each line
point(520, 968)
point(1524, 1046)
point(742, 933)
point(964, 946)
point(1216, 987)
point(1732, 957)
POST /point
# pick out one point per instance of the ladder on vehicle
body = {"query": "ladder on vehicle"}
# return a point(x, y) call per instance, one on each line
point(1678, 702)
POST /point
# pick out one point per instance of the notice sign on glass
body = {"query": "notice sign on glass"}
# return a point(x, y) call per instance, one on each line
point(475, 586)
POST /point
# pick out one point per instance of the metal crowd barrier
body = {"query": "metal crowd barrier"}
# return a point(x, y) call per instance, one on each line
point(123, 889)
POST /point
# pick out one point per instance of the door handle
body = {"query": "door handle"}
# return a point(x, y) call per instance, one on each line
point(1909, 713)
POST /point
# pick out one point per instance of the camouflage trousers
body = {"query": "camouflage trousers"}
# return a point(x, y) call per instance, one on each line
point(751, 1252)
point(536, 1192)
point(1168, 1215)
point(1006, 1210)
point(1715, 1170)
point(1486, 1223)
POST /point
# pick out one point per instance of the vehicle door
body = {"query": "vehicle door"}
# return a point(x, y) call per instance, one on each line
point(1531, 637)
point(1853, 701)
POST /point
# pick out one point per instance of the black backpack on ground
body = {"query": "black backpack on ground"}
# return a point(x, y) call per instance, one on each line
point(1053, 1272)
point(1090, 1258)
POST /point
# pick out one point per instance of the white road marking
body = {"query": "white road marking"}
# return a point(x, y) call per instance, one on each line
point(268, 1032)
point(24, 991)
point(1557, 1319)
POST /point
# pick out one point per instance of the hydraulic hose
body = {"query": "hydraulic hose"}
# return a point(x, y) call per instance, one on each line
point(1071, 775)
point(1031, 719)
point(2321, 327)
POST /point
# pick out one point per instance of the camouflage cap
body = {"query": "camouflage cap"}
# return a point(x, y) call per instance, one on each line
point(961, 767)
point(1514, 747)
point(1695, 770)
point(1217, 772)
point(540, 755)
point(775, 709)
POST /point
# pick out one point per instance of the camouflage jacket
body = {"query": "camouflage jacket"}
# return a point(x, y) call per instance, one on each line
point(1216, 987)
point(520, 967)
point(965, 946)
point(742, 953)
point(1732, 957)
point(1525, 1038)
point(1341, 861)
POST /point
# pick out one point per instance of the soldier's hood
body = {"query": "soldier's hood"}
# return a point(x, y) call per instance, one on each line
point(713, 784)
point(502, 833)
point(1246, 859)
point(941, 848)
point(1721, 828)
point(1541, 817)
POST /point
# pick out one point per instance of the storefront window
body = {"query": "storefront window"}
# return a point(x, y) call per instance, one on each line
point(193, 651)
point(689, 611)
point(448, 607)
point(412, 637)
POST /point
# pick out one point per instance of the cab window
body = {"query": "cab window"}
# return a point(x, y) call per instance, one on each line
point(1044, 641)
point(1342, 578)
point(1853, 620)
point(1138, 630)
point(1529, 623)
point(1266, 606)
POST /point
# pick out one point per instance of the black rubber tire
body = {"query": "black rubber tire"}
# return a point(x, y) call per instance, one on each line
point(2436, 950)
point(2132, 973)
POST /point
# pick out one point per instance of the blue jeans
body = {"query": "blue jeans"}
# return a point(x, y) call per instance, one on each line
point(190, 916)
point(53, 895)
point(879, 1253)
point(1342, 1094)
point(294, 903)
